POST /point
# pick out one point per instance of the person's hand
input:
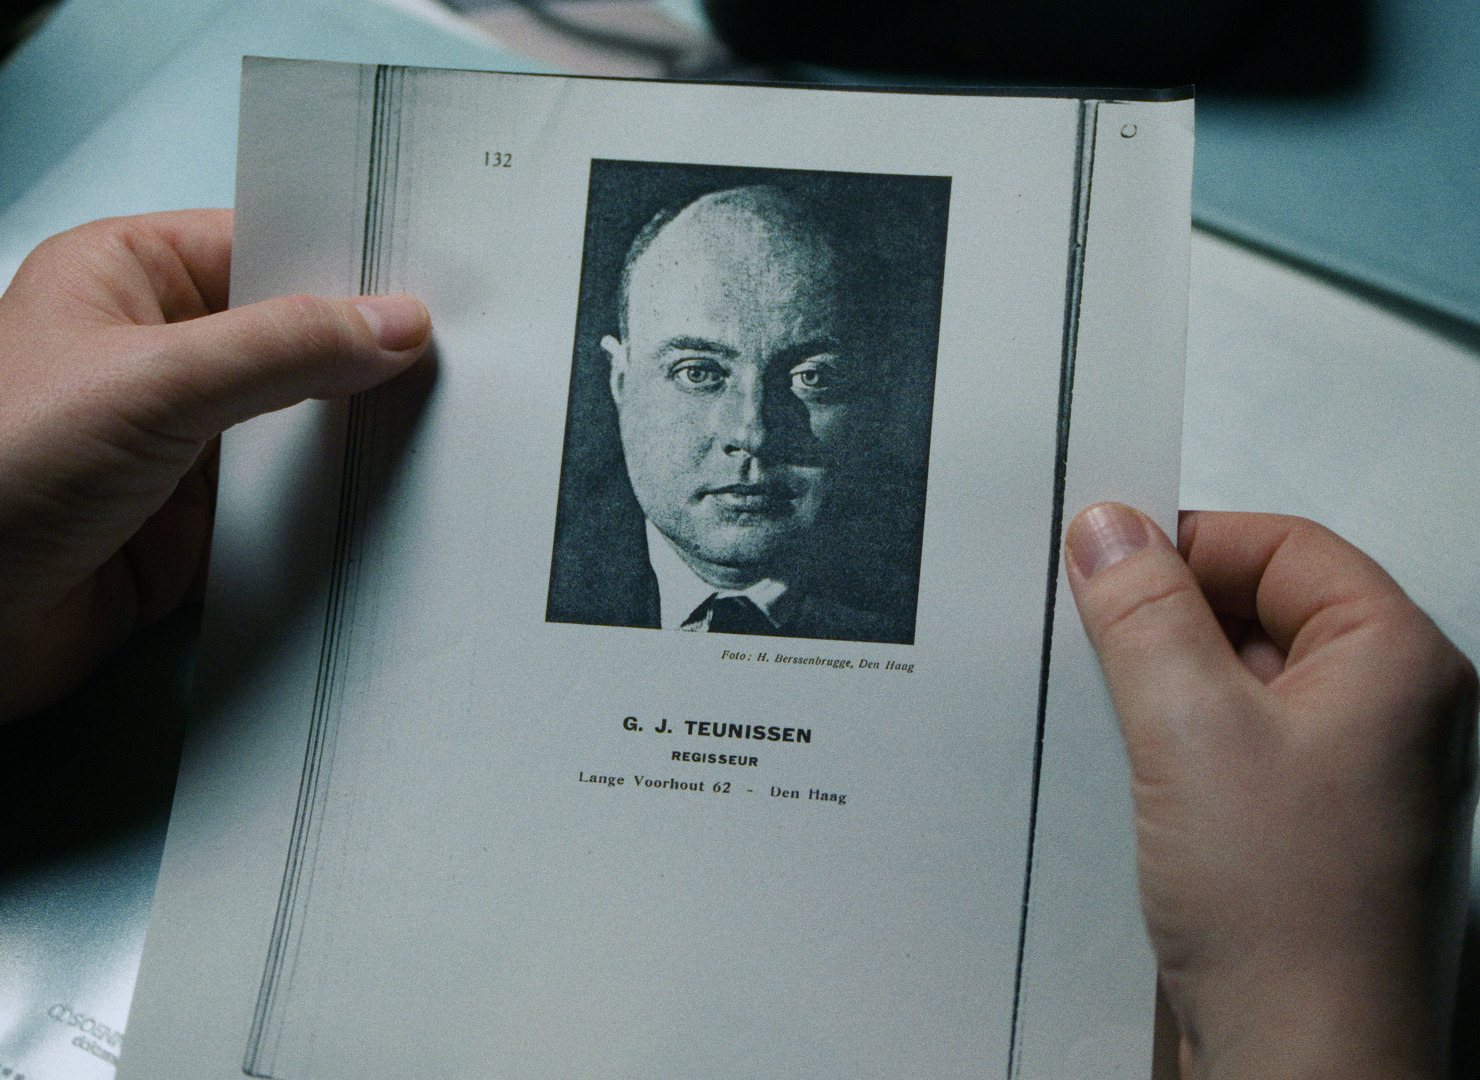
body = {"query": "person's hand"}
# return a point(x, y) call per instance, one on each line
point(1302, 745)
point(118, 367)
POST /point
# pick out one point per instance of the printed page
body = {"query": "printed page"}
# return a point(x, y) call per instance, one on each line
point(673, 675)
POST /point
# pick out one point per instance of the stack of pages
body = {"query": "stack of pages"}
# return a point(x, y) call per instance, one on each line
point(472, 792)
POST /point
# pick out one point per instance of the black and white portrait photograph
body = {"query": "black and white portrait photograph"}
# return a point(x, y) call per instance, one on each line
point(748, 429)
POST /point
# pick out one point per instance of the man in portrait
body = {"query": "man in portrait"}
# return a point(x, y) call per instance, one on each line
point(753, 389)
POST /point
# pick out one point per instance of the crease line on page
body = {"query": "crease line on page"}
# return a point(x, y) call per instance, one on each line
point(269, 1023)
point(1084, 167)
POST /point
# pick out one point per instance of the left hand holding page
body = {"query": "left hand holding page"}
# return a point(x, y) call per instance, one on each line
point(118, 368)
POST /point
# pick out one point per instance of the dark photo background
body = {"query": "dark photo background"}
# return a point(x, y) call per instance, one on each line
point(874, 548)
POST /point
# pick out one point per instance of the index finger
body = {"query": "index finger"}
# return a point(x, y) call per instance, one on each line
point(1282, 571)
point(144, 270)
point(202, 240)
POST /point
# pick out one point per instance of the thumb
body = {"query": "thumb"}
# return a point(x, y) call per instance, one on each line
point(1165, 656)
point(210, 373)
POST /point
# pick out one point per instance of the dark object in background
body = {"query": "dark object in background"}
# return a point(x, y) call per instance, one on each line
point(18, 19)
point(99, 767)
point(1279, 46)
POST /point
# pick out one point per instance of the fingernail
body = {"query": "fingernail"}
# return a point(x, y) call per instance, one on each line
point(398, 322)
point(1104, 535)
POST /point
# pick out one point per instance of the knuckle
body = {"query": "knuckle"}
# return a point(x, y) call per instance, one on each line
point(50, 249)
point(1419, 644)
point(1133, 610)
point(77, 247)
point(313, 326)
point(119, 234)
point(1305, 528)
point(1460, 687)
point(1434, 685)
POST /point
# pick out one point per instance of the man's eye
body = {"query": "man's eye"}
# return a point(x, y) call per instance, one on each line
point(698, 374)
point(814, 378)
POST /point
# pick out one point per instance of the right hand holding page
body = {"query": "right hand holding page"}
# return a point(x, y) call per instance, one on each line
point(1302, 743)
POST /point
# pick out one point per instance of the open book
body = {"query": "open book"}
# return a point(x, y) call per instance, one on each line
point(674, 675)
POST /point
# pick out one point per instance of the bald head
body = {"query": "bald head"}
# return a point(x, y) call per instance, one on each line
point(762, 221)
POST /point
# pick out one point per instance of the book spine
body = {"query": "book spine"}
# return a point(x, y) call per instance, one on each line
point(271, 1046)
point(1084, 169)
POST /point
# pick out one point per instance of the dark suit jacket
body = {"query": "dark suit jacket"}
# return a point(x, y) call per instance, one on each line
point(601, 576)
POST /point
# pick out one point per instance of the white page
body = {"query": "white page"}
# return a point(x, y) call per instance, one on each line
point(397, 706)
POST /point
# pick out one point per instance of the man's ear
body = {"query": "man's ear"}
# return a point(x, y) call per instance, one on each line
point(617, 352)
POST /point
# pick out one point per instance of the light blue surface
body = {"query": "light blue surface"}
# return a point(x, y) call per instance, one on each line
point(1382, 185)
point(86, 59)
point(171, 141)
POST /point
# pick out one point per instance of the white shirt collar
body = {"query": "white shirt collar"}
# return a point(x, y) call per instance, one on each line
point(680, 590)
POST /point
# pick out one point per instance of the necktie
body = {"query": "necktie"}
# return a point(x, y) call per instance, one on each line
point(734, 615)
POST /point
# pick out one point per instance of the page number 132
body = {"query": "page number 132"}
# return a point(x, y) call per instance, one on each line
point(498, 158)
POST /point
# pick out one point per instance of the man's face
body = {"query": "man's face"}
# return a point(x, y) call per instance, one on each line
point(741, 389)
